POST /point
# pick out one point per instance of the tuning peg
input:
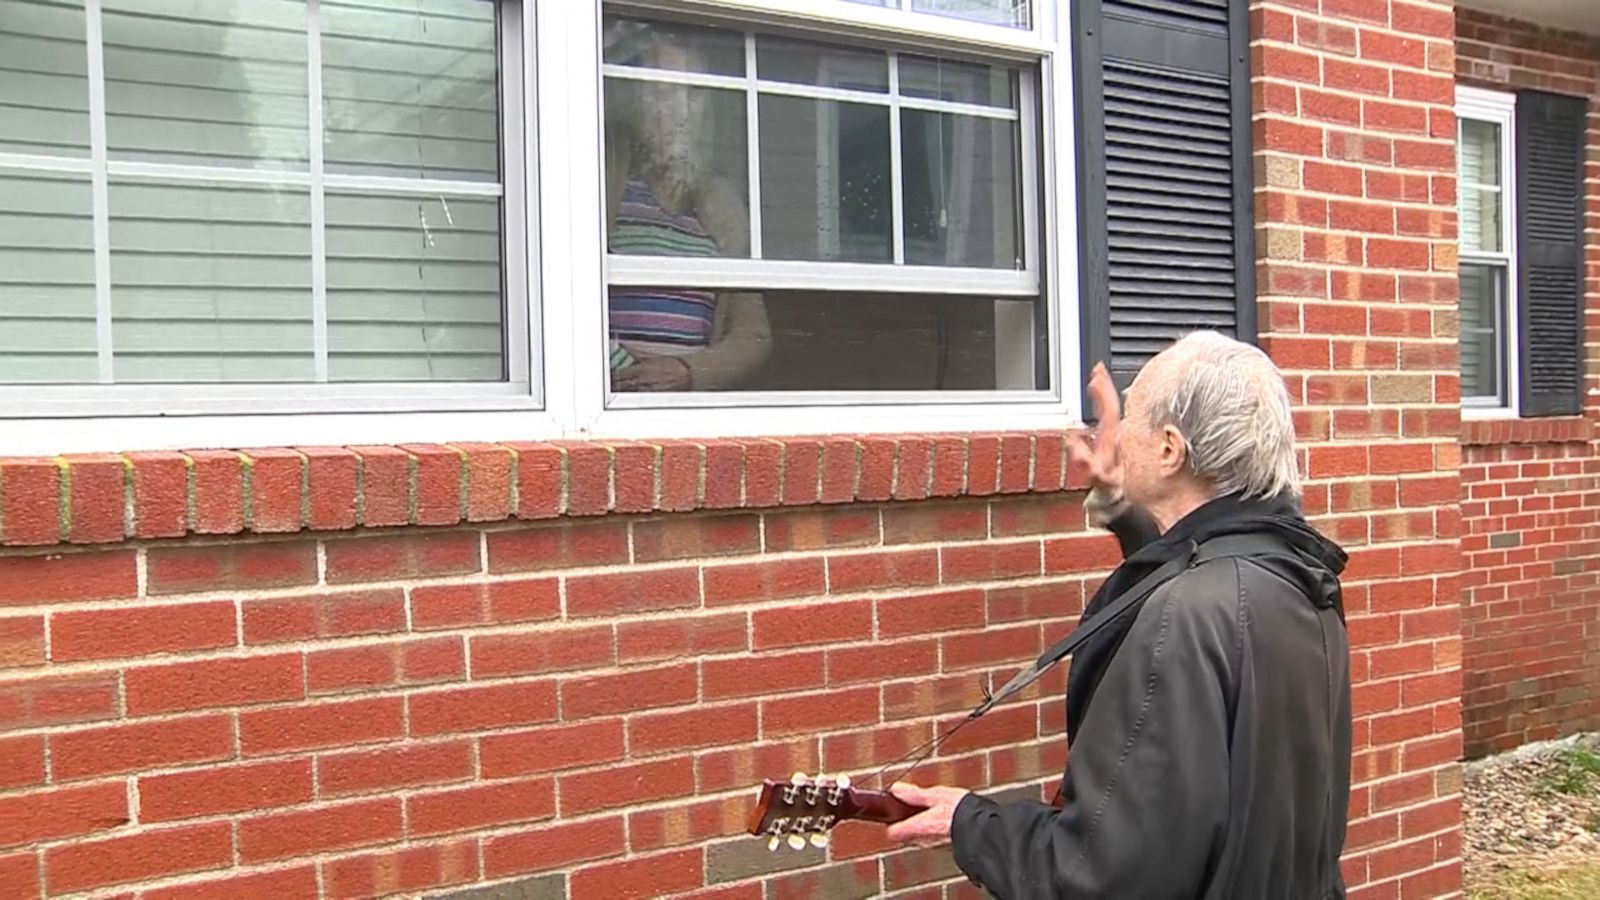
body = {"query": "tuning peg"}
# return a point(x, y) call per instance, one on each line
point(842, 782)
point(773, 842)
point(799, 778)
point(819, 839)
point(797, 842)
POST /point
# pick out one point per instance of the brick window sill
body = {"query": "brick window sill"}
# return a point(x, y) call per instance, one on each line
point(1555, 430)
point(104, 499)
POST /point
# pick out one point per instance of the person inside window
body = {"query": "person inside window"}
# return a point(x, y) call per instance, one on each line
point(667, 194)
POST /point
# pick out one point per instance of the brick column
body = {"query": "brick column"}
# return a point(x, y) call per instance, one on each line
point(1355, 194)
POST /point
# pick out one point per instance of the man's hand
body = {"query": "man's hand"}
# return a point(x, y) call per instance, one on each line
point(931, 827)
point(1101, 456)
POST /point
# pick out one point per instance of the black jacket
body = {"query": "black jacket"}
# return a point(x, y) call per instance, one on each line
point(1214, 759)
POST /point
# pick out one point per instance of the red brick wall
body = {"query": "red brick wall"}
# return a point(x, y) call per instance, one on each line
point(1531, 510)
point(1355, 204)
point(542, 674)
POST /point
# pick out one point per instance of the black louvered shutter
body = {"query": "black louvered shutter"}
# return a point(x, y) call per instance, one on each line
point(1549, 175)
point(1165, 179)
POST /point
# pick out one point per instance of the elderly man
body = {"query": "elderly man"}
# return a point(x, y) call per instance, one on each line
point(1209, 727)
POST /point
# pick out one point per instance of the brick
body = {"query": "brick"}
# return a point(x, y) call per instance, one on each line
point(391, 768)
point(544, 650)
point(21, 761)
point(541, 480)
point(140, 631)
point(344, 614)
point(813, 623)
point(802, 460)
point(722, 679)
point(629, 691)
point(875, 571)
point(737, 768)
point(343, 826)
point(1279, 136)
point(553, 847)
point(481, 708)
point(697, 823)
point(67, 577)
point(931, 522)
point(724, 475)
point(96, 494)
point(115, 749)
point(495, 602)
point(542, 750)
point(845, 881)
point(385, 486)
point(321, 724)
point(811, 713)
point(1357, 10)
point(737, 860)
point(1340, 109)
point(695, 537)
point(1049, 463)
point(949, 466)
point(402, 870)
point(274, 478)
point(1316, 34)
point(227, 789)
point(983, 465)
point(635, 488)
point(1286, 63)
point(818, 529)
point(384, 665)
point(1034, 516)
point(913, 477)
point(160, 494)
point(237, 566)
point(267, 885)
point(394, 557)
point(877, 662)
point(646, 876)
point(1356, 77)
point(140, 857)
point(767, 580)
point(627, 785)
point(480, 806)
point(31, 489)
point(332, 486)
point(562, 546)
point(1016, 463)
point(488, 481)
point(41, 816)
point(1413, 18)
point(21, 641)
point(989, 647)
point(1085, 553)
point(679, 636)
point(929, 613)
point(763, 474)
point(440, 472)
point(61, 700)
point(616, 593)
point(212, 683)
point(840, 470)
point(218, 492)
point(689, 729)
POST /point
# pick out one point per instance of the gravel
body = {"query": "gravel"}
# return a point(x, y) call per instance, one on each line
point(1535, 809)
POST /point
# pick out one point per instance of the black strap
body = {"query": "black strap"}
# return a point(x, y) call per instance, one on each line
point(1141, 589)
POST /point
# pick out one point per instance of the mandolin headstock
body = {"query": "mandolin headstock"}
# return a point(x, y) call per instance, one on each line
point(804, 810)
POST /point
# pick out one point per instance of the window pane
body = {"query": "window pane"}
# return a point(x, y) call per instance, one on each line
point(958, 82)
point(1482, 329)
point(996, 12)
point(673, 46)
point(224, 83)
point(47, 297)
point(961, 190)
point(411, 91)
point(210, 283)
point(841, 341)
point(677, 176)
point(414, 288)
point(44, 85)
point(802, 62)
point(1480, 163)
point(825, 181)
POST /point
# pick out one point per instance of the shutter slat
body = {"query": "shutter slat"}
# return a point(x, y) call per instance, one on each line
point(1551, 134)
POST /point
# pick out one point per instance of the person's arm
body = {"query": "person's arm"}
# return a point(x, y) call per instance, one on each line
point(1132, 526)
point(1146, 790)
point(742, 339)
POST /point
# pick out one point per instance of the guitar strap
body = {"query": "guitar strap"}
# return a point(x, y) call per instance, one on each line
point(1129, 599)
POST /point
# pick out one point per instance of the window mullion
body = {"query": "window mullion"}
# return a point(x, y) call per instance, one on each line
point(752, 114)
point(99, 188)
point(896, 185)
point(319, 216)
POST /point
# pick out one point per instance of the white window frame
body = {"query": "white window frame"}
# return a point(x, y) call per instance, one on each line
point(1497, 108)
point(565, 394)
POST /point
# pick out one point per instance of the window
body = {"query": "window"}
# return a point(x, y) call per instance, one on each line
point(1484, 194)
point(295, 199)
point(1520, 192)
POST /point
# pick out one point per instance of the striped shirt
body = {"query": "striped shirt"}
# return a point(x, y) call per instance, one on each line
point(659, 320)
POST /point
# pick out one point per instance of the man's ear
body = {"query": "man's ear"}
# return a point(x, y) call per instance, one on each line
point(1174, 451)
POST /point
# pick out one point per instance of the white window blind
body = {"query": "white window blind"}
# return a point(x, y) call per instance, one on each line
point(257, 191)
point(1483, 149)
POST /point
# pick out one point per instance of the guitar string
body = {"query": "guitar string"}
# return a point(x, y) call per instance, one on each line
point(931, 746)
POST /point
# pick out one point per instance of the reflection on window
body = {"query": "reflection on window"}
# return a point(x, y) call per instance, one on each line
point(1485, 262)
point(258, 229)
point(754, 167)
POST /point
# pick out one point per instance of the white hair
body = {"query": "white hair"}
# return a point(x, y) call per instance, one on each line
point(1230, 404)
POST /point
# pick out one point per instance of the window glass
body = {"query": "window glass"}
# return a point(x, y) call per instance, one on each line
point(44, 83)
point(995, 12)
point(1479, 152)
point(1483, 310)
point(826, 180)
point(962, 190)
point(47, 294)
